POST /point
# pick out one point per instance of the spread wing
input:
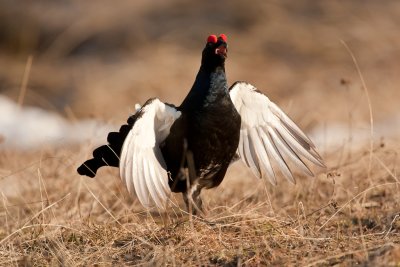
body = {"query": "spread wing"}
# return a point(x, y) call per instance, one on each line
point(142, 166)
point(269, 139)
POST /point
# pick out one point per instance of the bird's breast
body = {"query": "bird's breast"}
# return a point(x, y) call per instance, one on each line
point(218, 89)
point(214, 137)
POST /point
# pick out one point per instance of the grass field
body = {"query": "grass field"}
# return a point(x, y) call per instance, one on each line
point(346, 215)
point(331, 66)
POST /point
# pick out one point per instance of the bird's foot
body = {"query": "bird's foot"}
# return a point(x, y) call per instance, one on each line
point(194, 204)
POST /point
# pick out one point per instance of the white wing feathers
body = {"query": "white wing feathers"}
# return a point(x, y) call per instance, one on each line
point(142, 165)
point(268, 137)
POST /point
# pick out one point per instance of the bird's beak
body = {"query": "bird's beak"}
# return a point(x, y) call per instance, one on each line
point(222, 50)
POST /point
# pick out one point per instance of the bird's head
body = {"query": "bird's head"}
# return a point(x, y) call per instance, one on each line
point(215, 52)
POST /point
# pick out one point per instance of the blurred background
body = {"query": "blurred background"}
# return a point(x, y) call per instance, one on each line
point(93, 60)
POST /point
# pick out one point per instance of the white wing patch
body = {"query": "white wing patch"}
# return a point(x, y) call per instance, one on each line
point(268, 137)
point(142, 165)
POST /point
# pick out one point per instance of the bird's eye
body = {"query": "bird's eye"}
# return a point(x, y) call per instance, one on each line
point(223, 37)
point(212, 39)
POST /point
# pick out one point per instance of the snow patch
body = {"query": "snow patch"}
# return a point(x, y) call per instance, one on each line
point(334, 135)
point(32, 127)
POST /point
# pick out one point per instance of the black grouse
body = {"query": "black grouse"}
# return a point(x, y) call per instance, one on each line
point(165, 148)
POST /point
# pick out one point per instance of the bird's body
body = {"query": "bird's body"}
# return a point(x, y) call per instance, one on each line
point(208, 128)
point(184, 149)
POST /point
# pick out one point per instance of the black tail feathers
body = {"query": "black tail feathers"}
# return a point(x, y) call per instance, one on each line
point(107, 155)
point(90, 167)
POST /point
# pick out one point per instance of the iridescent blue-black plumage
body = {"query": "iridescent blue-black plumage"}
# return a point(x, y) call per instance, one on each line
point(208, 130)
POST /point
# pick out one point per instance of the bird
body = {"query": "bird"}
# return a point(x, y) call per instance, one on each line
point(165, 148)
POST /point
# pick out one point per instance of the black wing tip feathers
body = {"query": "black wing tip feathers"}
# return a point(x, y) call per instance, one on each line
point(108, 155)
point(88, 168)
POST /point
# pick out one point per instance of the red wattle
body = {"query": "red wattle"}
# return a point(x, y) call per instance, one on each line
point(212, 39)
point(223, 37)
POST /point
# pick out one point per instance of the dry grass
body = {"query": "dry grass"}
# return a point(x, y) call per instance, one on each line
point(85, 54)
point(342, 216)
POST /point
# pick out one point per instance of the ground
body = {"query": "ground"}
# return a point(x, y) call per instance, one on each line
point(346, 215)
point(331, 66)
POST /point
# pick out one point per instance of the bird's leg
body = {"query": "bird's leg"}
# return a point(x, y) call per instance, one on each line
point(187, 202)
point(192, 195)
point(196, 199)
point(193, 200)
